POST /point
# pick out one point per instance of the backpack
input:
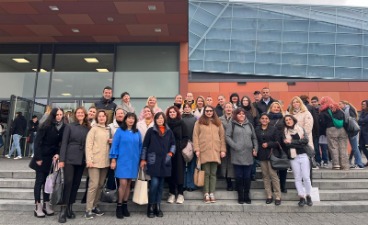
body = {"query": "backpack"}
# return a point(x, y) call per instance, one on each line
point(336, 122)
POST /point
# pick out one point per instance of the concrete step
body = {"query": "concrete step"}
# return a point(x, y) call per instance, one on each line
point(221, 194)
point(323, 184)
point(317, 174)
point(219, 206)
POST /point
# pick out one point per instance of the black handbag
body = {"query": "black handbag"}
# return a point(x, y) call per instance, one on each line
point(110, 196)
point(57, 195)
point(279, 159)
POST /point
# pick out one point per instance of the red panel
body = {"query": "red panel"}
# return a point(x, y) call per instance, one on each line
point(106, 39)
point(46, 19)
point(176, 7)
point(44, 30)
point(14, 19)
point(278, 86)
point(16, 30)
point(333, 86)
point(76, 18)
point(75, 39)
point(304, 86)
point(203, 87)
point(118, 19)
point(162, 18)
point(27, 39)
point(147, 30)
point(139, 7)
point(104, 30)
point(18, 8)
point(357, 86)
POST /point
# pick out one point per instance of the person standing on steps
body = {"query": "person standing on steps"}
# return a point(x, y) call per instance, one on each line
point(107, 103)
point(18, 130)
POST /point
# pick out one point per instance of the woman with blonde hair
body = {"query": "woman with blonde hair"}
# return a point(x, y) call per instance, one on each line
point(209, 146)
point(152, 103)
point(200, 103)
point(350, 111)
point(337, 137)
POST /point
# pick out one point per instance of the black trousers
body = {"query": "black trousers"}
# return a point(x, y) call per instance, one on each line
point(39, 184)
point(72, 179)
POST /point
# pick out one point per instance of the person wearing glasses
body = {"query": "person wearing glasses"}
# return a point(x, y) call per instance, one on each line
point(209, 146)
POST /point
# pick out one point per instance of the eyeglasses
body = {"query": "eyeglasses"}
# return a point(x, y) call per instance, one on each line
point(208, 111)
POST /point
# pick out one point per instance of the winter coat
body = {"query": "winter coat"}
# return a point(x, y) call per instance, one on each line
point(198, 113)
point(33, 127)
point(72, 149)
point(97, 146)
point(113, 127)
point(270, 136)
point(219, 110)
point(155, 151)
point(242, 140)
point(209, 140)
point(262, 107)
point(305, 120)
point(19, 125)
point(180, 132)
point(109, 106)
point(142, 127)
point(126, 107)
point(363, 123)
point(227, 168)
point(325, 120)
point(46, 145)
point(126, 149)
point(189, 121)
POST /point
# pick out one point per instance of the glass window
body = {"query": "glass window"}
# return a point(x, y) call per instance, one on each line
point(242, 68)
point(350, 50)
point(295, 48)
point(295, 36)
point(351, 73)
point(268, 57)
point(321, 60)
point(217, 55)
point(320, 71)
point(141, 70)
point(267, 69)
point(213, 66)
point(242, 56)
point(342, 61)
point(294, 59)
point(296, 25)
point(293, 70)
point(264, 46)
point(322, 49)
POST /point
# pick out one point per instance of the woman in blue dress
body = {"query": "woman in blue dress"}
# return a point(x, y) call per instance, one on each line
point(125, 154)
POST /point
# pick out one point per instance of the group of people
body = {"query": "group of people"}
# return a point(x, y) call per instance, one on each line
point(115, 141)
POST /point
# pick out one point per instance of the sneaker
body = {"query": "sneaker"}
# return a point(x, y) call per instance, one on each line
point(309, 200)
point(18, 157)
point(171, 199)
point(325, 165)
point(206, 198)
point(290, 170)
point(356, 167)
point(32, 155)
point(212, 198)
point(180, 199)
point(315, 166)
point(88, 215)
point(97, 211)
point(7, 156)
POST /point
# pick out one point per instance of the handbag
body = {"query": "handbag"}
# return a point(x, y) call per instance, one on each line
point(57, 195)
point(107, 195)
point(280, 160)
point(309, 150)
point(351, 126)
point(140, 195)
point(188, 152)
point(199, 175)
point(51, 178)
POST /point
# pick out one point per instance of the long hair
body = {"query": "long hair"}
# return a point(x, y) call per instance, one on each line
point(85, 120)
point(124, 126)
point(328, 103)
point(351, 107)
point(293, 118)
point(178, 114)
point(98, 112)
point(201, 97)
point(235, 95)
point(51, 119)
point(236, 112)
point(150, 98)
point(303, 108)
point(276, 103)
point(249, 107)
point(204, 120)
point(366, 103)
point(158, 115)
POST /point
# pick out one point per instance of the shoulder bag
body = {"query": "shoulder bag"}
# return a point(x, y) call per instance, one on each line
point(140, 195)
point(188, 152)
point(279, 159)
point(351, 126)
point(57, 195)
point(51, 178)
point(199, 175)
point(107, 195)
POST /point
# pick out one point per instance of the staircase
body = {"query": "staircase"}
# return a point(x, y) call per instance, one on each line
point(340, 191)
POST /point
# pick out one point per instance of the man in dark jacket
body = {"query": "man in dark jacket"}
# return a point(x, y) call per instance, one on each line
point(265, 102)
point(32, 131)
point(107, 103)
point(18, 130)
point(220, 106)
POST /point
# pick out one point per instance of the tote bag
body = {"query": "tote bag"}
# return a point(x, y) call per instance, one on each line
point(279, 160)
point(51, 178)
point(198, 175)
point(57, 194)
point(140, 195)
point(188, 152)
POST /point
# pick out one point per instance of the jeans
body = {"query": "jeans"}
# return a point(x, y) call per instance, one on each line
point(155, 190)
point(189, 174)
point(355, 150)
point(242, 172)
point(1, 141)
point(324, 150)
point(31, 147)
point(16, 145)
point(318, 148)
point(301, 170)
point(254, 168)
point(39, 184)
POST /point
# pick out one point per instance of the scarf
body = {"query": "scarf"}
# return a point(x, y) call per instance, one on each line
point(292, 131)
point(178, 105)
point(274, 116)
point(162, 130)
point(173, 123)
point(58, 125)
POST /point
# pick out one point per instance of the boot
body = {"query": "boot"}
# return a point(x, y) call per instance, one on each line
point(125, 211)
point(119, 211)
point(69, 212)
point(247, 183)
point(240, 189)
point(38, 211)
point(150, 211)
point(47, 209)
point(62, 215)
point(229, 184)
point(157, 210)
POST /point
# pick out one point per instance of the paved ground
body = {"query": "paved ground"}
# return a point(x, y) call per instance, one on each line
point(198, 218)
point(12, 164)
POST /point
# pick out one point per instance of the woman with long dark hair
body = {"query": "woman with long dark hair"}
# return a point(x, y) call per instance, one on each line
point(250, 111)
point(46, 150)
point(209, 146)
point(235, 100)
point(363, 123)
point(72, 159)
point(176, 181)
point(125, 153)
point(158, 148)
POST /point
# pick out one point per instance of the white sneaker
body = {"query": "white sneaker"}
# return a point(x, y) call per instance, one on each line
point(171, 199)
point(180, 199)
point(18, 157)
point(7, 156)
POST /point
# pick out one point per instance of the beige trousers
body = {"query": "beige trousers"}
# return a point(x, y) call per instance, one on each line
point(97, 178)
point(337, 140)
point(269, 176)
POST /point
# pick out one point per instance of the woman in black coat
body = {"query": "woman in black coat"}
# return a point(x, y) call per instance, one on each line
point(72, 159)
point(158, 148)
point(363, 123)
point(176, 181)
point(46, 148)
